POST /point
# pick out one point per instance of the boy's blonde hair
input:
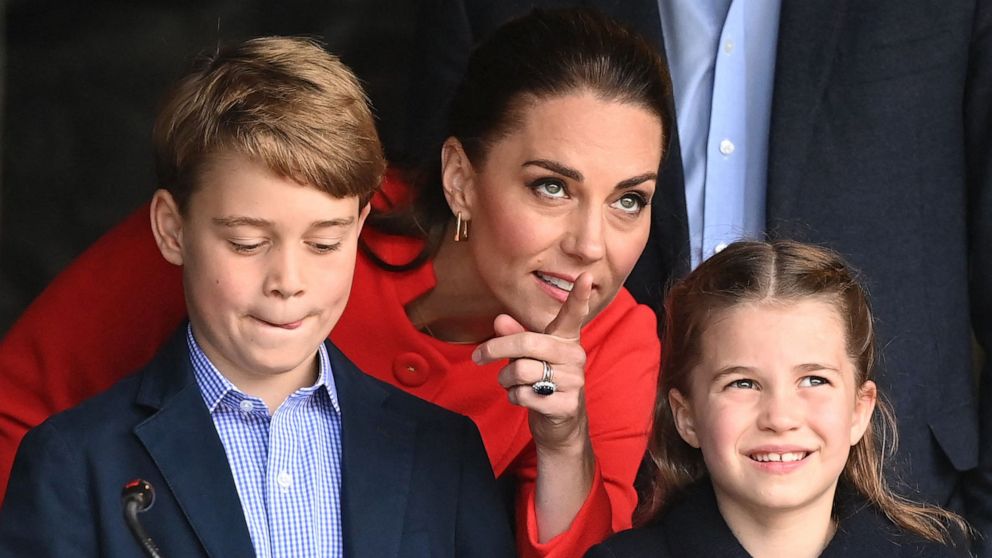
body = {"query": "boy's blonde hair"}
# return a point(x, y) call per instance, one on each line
point(282, 101)
point(781, 272)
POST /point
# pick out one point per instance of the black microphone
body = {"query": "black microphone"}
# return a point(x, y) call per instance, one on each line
point(136, 497)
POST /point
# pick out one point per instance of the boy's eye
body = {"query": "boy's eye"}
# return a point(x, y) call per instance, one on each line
point(812, 381)
point(549, 188)
point(244, 248)
point(743, 383)
point(324, 248)
point(631, 202)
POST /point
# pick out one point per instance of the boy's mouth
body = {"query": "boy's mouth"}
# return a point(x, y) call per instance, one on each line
point(287, 325)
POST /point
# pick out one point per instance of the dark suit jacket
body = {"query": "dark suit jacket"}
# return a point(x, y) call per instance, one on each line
point(416, 479)
point(881, 148)
point(694, 527)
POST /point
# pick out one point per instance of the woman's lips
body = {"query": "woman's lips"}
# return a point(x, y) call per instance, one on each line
point(550, 285)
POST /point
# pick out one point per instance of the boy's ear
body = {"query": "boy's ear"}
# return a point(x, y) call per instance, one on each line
point(685, 422)
point(864, 406)
point(457, 178)
point(167, 226)
point(363, 213)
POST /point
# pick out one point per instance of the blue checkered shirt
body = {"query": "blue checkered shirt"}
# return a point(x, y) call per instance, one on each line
point(287, 467)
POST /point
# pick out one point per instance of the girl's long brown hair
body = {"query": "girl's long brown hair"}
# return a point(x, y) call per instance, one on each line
point(780, 271)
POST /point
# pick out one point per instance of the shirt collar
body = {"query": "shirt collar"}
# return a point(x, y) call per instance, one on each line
point(214, 385)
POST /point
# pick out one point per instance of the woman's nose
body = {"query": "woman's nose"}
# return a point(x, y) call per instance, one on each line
point(585, 241)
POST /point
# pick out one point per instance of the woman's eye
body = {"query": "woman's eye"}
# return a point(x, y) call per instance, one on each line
point(812, 381)
point(743, 383)
point(550, 188)
point(630, 203)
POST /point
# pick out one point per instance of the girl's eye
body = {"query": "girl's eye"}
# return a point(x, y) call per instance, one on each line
point(812, 381)
point(322, 248)
point(549, 188)
point(631, 202)
point(743, 383)
point(243, 248)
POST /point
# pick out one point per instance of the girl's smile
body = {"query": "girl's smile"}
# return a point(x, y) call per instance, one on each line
point(773, 406)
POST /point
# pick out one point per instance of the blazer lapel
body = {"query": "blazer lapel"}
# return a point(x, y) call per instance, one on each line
point(807, 44)
point(378, 451)
point(183, 443)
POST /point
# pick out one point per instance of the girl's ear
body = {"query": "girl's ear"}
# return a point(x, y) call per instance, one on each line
point(457, 178)
point(864, 407)
point(167, 226)
point(685, 422)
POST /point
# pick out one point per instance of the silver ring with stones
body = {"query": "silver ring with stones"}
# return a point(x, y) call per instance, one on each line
point(546, 386)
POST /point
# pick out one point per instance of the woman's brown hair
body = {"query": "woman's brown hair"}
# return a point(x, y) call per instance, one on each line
point(543, 55)
point(781, 272)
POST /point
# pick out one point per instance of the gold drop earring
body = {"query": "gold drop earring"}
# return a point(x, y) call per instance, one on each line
point(461, 227)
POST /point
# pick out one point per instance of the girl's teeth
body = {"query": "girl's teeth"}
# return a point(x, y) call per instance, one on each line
point(776, 457)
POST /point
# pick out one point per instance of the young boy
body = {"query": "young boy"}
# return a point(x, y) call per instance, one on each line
point(259, 436)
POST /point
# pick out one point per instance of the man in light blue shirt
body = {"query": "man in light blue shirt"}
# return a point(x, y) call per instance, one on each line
point(721, 54)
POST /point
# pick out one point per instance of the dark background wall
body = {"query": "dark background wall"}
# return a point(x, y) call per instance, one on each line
point(80, 85)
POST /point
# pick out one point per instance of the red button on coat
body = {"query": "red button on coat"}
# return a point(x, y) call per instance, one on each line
point(411, 369)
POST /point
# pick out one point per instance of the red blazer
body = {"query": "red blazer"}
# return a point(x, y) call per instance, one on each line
point(78, 338)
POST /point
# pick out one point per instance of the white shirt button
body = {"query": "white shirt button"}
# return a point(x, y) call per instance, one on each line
point(719, 247)
point(246, 405)
point(726, 147)
point(284, 479)
point(728, 47)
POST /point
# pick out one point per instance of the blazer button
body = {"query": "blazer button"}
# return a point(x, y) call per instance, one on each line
point(411, 369)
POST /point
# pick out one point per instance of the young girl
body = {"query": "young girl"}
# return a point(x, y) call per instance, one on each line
point(769, 432)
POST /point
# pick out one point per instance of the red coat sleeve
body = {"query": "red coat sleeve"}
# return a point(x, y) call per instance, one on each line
point(621, 381)
point(103, 317)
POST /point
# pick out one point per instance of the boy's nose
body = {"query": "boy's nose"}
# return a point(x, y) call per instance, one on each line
point(284, 278)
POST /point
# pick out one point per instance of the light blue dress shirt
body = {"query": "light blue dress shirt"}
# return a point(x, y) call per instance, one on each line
point(287, 466)
point(721, 54)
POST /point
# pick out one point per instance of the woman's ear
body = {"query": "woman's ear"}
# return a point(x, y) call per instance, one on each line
point(864, 406)
point(457, 178)
point(167, 226)
point(685, 422)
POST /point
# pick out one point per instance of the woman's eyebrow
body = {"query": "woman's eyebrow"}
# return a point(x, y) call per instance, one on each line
point(556, 167)
point(635, 180)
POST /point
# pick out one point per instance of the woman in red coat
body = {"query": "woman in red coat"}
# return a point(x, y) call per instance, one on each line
point(497, 292)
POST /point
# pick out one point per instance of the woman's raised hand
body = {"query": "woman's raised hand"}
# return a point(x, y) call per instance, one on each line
point(557, 421)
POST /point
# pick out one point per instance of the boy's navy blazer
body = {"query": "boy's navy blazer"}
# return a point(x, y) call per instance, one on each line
point(415, 478)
